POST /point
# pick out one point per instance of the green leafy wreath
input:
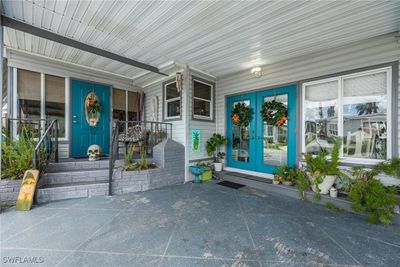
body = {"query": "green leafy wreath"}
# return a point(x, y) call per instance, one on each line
point(241, 114)
point(274, 113)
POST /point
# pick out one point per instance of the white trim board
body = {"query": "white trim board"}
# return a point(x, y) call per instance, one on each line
point(253, 173)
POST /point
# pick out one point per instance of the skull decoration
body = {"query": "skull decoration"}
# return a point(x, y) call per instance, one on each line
point(94, 152)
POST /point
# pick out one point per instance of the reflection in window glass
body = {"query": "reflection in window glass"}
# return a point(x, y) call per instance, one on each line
point(321, 117)
point(174, 108)
point(172, 101)
point(4, 93)
point(365, 116)
point(202, 100)
point(55, 101)
point(28, 94)
point(275, 138)
point(241, 140)
point(132, 106)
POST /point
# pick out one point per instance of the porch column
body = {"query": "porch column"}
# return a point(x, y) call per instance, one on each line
point(1, 76)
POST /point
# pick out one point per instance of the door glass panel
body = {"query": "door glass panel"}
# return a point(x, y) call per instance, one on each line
point(275, 137)
point(241, 140)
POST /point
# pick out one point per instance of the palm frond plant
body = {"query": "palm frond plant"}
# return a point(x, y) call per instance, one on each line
point(323, 172)
point(390, 167)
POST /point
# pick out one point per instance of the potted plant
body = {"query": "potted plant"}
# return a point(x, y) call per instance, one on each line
point(370, 196)
point(322, 172)
point(283, 173)
point(213, 149)
point(276, 180)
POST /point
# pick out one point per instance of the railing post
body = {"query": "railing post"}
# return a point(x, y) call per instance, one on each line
point(56, 141)
point(34, 160)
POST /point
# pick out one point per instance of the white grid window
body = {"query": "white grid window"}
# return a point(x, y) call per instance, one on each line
point(172, 102)
point(355, 107)
point(203, 100)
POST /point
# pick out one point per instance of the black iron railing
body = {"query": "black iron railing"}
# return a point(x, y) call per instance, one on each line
point(143, 135)
point(35, 127)
point(46, 149)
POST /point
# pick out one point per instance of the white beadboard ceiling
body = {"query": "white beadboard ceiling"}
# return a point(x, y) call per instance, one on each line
point(218, 37)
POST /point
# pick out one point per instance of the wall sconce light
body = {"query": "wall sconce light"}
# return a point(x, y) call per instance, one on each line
point(178, 80)
point(256, 72)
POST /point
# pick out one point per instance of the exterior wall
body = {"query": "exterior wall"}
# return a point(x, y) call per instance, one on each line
point(178, 126)
point(379, 50)
point(207, 128)
point(9, 190)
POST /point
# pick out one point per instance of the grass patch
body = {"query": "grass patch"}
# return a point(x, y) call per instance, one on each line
point(334, 208)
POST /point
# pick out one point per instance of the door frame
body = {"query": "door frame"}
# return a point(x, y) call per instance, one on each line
point(69, 114)
point(294, 114)
point(252, 141)
point(291, 92)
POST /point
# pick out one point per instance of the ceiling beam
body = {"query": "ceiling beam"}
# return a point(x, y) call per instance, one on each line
point(24, 27)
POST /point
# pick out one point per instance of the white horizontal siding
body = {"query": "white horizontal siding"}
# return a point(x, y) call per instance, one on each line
point(178, 126)
point(207, 129)
point(365, 53)
point(63, 151)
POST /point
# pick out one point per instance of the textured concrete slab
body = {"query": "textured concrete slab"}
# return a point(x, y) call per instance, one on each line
point(195, 225)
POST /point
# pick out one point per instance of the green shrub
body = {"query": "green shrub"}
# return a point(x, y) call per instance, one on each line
point(390, 167)
point(371, 196)
point(16, 155)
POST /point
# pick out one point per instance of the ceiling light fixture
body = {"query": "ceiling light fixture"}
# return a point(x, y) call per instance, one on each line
point(256, 72)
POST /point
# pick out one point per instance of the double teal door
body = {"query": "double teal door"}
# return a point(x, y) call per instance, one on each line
point(259, 146)
point(90, 117)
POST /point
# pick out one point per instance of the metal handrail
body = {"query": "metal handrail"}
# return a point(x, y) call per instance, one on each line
point(159, 131)
point(51, 130)
point(113, 156)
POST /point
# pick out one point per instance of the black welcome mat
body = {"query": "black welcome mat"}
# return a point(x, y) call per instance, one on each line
point(230, 184)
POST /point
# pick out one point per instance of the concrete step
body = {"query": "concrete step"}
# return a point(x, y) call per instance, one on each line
point(64, 191)
point(76, 165)
point(75, 176)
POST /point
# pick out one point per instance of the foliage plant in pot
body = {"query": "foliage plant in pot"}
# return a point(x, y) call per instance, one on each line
point(370, 196)
point(322, 172)
point(213, 149)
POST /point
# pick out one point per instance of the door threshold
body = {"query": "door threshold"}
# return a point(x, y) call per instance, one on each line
point(250, 173)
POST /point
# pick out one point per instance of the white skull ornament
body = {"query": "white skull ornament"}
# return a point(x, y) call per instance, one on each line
point(94, 152)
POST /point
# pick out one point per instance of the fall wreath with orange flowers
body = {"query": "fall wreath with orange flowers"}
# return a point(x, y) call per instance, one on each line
point(241, 114)
point(274, 113)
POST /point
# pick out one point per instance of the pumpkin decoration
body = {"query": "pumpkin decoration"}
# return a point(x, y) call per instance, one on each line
point(241, 115)
point(274, 113)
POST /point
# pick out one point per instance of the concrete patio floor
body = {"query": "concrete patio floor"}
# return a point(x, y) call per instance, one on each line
point(195, 225)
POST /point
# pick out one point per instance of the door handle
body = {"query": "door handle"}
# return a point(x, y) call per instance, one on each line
point(74, 121)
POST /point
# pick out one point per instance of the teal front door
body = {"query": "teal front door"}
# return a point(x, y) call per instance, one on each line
point(90, 117)
point(261, 146)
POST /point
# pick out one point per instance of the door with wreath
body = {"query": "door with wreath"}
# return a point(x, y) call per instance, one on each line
point(261, 129)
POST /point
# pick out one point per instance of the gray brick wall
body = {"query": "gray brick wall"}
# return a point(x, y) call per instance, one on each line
point(9, 190)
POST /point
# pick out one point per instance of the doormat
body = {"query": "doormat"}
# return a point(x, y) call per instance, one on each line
point(231, 184)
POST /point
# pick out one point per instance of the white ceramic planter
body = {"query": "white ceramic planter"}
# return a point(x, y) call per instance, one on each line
point(275, 182)
point(333, 192)
point(217, 166)
point(329, 180)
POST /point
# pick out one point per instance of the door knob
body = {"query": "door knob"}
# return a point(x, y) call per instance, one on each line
point(74, 121)
point(74, 116)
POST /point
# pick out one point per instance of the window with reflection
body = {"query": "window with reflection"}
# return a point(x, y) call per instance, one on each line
point(275, 137)
point(132, 106)
point(202, 100)
point(119, 105)
point(354, 107)
point(320, 116)
point(4, 108)
point(28, 94)
point(365, 106)
point(241, 139)
point(172, 101)
point(55, 101)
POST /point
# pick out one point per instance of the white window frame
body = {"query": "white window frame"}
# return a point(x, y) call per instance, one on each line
point(211, 101)
point(43, 98)
point(165, 101)
point(340, 80)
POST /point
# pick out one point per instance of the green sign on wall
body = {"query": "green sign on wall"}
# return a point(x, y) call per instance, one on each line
point(196, 141)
